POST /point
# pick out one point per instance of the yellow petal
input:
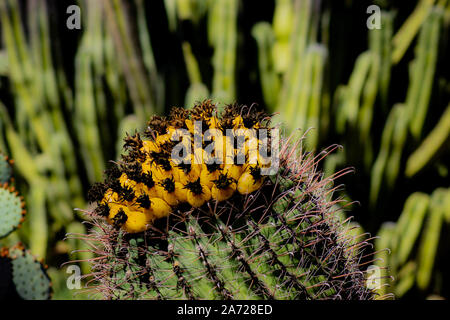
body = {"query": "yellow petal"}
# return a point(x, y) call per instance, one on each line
point(110, 197)
point(223, 194)
point(160, 174)
point(142, 189)
point(238, 122)
point(207, 178)
point(137, 221)
point(190, 125)
point(126, 182)
point(247, 184)
point(171, 198)
point(213, 122)
point(159, 208)
point(162, 138)
point(113, 210)
point(150, 146)
point(197, 200)
point(180, 192)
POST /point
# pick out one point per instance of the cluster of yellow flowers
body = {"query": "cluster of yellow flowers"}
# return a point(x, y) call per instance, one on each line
point(151, 180)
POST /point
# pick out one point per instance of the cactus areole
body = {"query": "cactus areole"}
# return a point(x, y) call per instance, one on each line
point(214, 205)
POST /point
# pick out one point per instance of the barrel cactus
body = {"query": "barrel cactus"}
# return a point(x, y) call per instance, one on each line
point(166, 226)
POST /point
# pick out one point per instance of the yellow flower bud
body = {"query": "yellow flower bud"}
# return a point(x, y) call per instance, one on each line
point(197, 193)
point(158, 208)
point(251, 180)
point(132, 221)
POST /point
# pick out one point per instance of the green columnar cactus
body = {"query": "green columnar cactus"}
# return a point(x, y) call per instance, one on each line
point(258, 237)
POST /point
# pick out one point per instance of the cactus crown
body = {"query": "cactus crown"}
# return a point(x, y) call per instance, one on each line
point(149, 170)
point(227, 233)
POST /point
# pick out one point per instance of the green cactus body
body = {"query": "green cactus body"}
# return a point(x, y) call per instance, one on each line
point(282, 240)
point(21, 275)
point(5, 169)
point(24, 276)
point(11, 210)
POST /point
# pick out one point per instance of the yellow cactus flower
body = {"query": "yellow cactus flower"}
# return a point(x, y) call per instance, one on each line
point(130, 220)
point(213, 122)
point(126, 182)
point(110, 197)
point(137, 221)
point(180, 192)
point(150, 146)
point(223, 188)
point(166, 190)
point(209, 173)
point(250, 181)
point(190, 125)
point(163, 138)
point(234, 170)
point(158, 208)
point(142, 189)
point(160, 173)
point(238, 122)
point(197, 193)
point(186, 171)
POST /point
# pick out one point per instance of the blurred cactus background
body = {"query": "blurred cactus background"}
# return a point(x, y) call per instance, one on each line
point(371, 76)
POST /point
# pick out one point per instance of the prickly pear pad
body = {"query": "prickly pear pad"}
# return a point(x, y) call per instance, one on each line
point(29, 277)
point(5, 169)
point(11, 210)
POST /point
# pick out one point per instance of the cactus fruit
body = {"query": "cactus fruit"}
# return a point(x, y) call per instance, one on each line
point(234, 234)
point(5, 169)
point(22, 275)
point(12, 210)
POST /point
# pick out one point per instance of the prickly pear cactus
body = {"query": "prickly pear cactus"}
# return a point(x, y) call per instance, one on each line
point(12, 210)
point(170, 229)
point(24, 277)
point(5, 169)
